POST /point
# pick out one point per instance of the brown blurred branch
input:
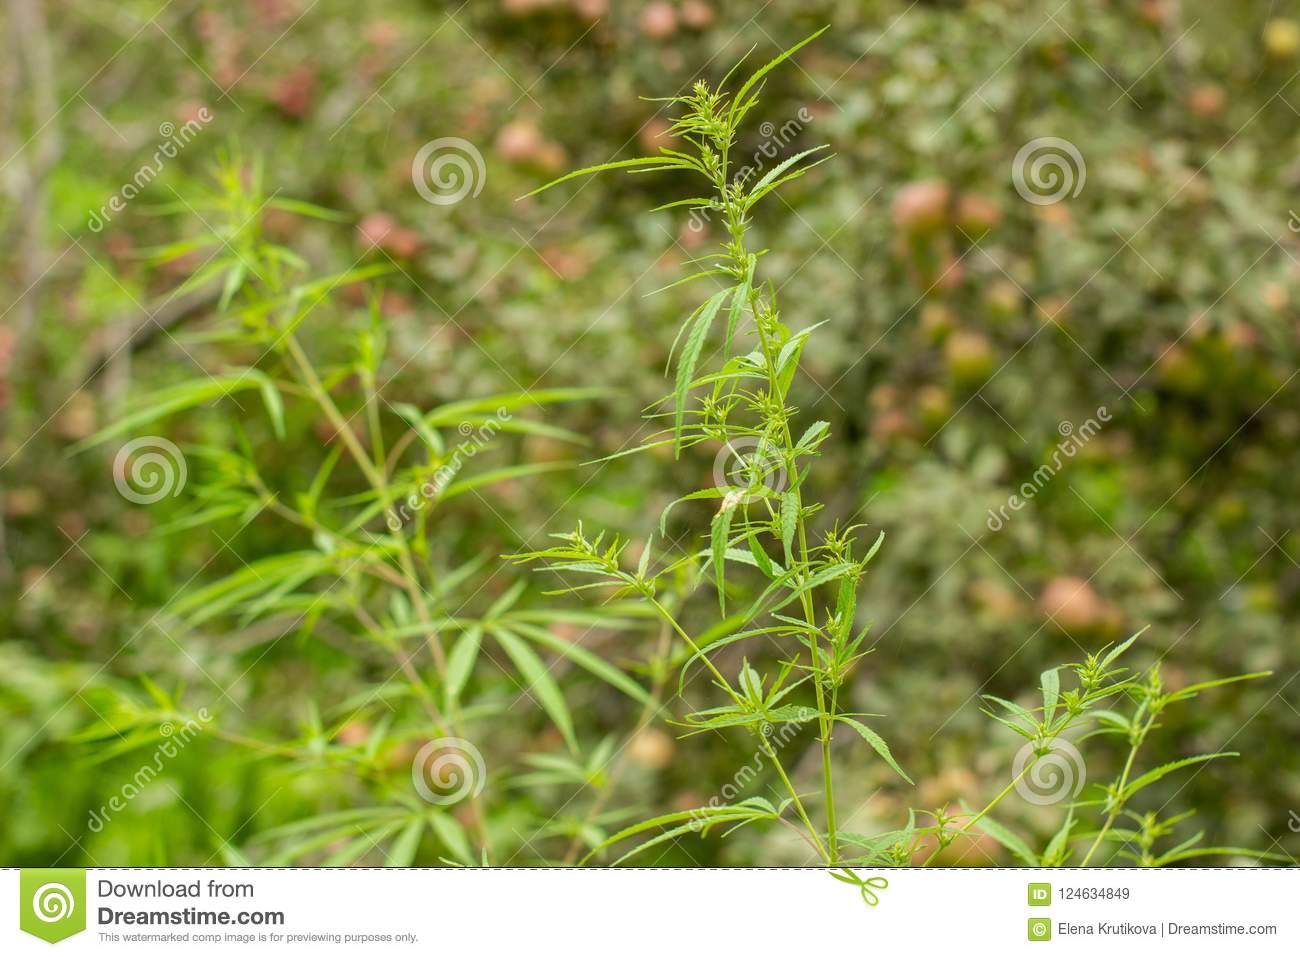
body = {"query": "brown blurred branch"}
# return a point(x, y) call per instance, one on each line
point(33, 159)
point(132, 332)
point(32, 71)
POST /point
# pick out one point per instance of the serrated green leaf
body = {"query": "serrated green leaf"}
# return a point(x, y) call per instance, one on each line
point(739, 107)
point(1155, 774)
point(738, 303)
point(691, 350)
point(662, 162)
point(1051, 685)
point(877, 743)
point(719, 530)
point(789, 523)
point(699, 818)
point(759, 189)
point(1009, 839)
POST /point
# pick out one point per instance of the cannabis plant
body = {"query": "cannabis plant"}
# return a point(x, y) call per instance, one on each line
point(779, 577)
point(365, 561)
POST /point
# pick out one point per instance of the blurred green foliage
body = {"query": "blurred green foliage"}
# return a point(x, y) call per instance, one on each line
point(966, 326)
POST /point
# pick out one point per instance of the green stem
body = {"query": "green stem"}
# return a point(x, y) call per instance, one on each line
point(668, 617)
point(825, 720)
point(1119, 792)
point(965, 828)
point(647, 715)
point(379, 481)
point(794, 795)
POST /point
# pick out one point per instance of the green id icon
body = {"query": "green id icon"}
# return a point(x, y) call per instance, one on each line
point(1040, 895)
point(1040, 928)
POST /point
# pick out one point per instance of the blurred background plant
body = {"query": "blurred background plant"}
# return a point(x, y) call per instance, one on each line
point(970, 331)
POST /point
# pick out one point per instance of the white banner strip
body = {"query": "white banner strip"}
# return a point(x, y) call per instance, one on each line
point(648, 912)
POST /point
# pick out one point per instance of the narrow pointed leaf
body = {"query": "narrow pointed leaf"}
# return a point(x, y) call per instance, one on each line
point(538, 683)
point(690, 356)
point(876, 742)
